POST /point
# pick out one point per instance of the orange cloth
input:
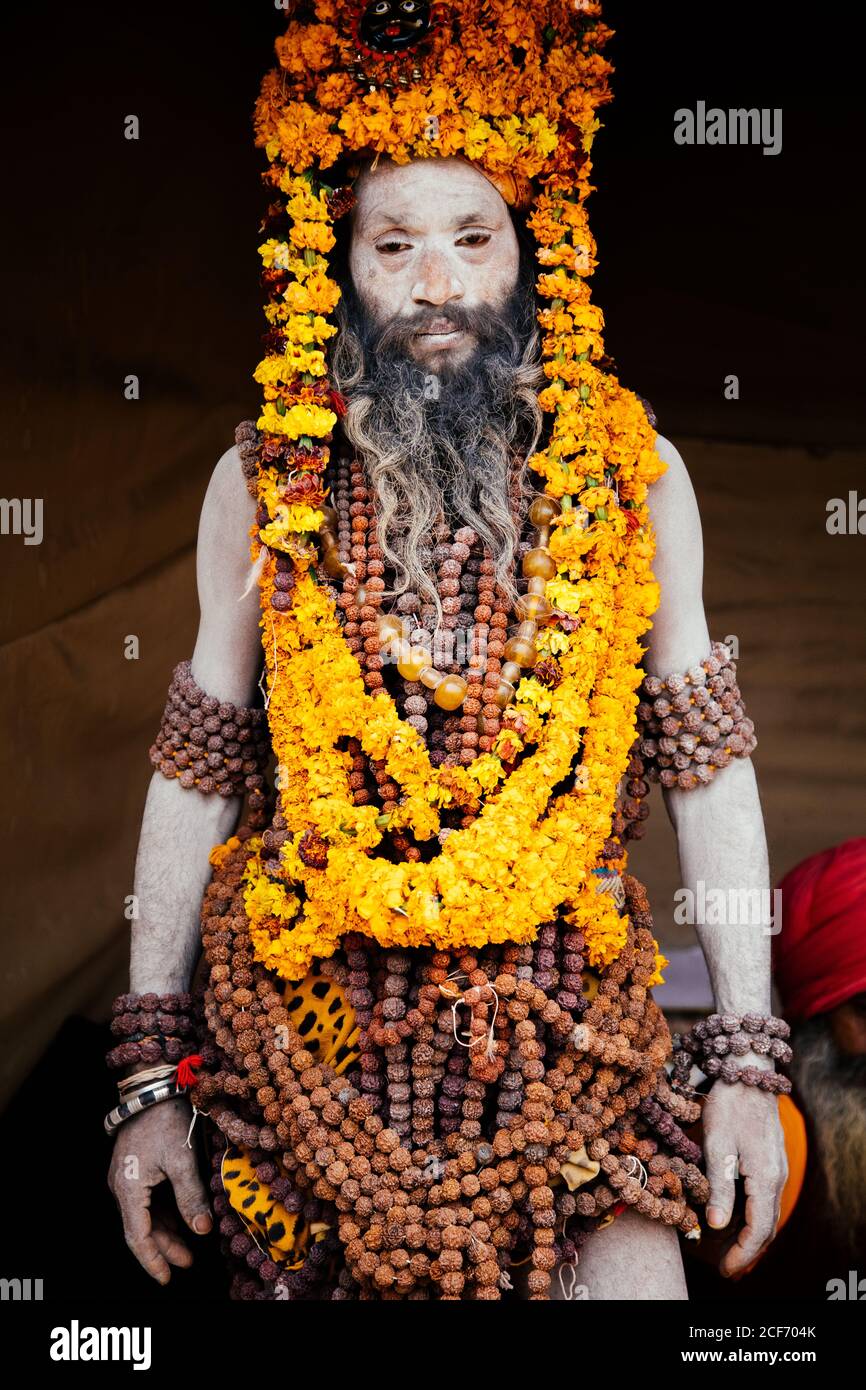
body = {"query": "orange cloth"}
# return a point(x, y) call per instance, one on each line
point(514, 188)
point(796, 1148)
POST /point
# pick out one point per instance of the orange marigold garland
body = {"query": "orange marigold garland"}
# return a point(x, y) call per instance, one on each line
point(521, 859)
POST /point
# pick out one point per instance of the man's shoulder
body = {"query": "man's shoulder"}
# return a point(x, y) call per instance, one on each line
point(671, 455)
point(228, 508)
point(672, 503)
point(227, 470)
point(226, 491)
point(674, 488)
point(232, 481)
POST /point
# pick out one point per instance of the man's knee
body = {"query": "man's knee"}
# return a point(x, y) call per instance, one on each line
point(632, 1259)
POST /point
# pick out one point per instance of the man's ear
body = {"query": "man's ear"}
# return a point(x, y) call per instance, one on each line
point(526, 246)
point(848, 1026)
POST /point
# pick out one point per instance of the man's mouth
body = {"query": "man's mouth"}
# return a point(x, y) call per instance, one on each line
point(440, 331)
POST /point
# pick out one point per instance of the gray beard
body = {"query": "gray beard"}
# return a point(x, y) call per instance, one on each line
point(833, 1090)
point(443, 447)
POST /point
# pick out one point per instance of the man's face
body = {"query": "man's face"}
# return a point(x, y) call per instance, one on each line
point(848, 1026)
point(431, 241)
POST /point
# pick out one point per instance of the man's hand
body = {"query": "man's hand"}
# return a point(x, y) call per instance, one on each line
point(150, 1148)
point(743, 1138)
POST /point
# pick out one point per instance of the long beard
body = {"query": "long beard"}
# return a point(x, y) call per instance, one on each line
point(833, 1089)
point(441, 447)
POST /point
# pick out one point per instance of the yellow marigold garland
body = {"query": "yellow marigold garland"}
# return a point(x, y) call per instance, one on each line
point(525, 857)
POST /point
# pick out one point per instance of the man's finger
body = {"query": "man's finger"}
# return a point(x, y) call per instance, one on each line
point(721, 1171)
point(138, 1230)
point(172, 1247)
point(757, 1231)
point(777, 1208)
point(189, 1193)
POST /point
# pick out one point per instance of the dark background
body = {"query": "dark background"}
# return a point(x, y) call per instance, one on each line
point(141, 257)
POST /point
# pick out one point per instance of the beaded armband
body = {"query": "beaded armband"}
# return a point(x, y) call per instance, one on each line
point(211, 745)
point(691, 725)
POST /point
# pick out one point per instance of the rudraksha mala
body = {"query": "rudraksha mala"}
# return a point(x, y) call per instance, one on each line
point(435, 1164)
point(689, 726)
point(213, 745)
point(470, 599)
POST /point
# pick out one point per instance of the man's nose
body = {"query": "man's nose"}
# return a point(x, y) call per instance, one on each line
point(436, 280)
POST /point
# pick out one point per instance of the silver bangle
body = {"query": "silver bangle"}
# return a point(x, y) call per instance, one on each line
point(142, 1100)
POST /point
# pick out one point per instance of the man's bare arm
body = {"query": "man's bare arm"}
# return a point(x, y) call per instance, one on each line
point(180, 827)
point(720, 841)
point(720, 828)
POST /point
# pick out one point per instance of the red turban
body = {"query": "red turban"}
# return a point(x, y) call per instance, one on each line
point(819, 956)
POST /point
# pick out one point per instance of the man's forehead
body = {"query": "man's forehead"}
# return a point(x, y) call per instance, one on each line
point(449, 192)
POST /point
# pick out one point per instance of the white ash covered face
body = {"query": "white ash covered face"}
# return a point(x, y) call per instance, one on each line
point(432, 242)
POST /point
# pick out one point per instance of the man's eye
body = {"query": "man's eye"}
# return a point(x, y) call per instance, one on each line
point(474, 239)
point(390, 248)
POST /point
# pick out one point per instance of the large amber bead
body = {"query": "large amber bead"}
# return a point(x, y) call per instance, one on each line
point(504, 693)
point(332, 564)
point(330, 519)
point(539, 564)
point(519, 649)
point(544, 509)
point(428, 675)
point(510, 672)
point(535, 607)
point(412, 661)
point(450, 692)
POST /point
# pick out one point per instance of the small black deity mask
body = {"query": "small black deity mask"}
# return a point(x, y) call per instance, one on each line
point(394, 26)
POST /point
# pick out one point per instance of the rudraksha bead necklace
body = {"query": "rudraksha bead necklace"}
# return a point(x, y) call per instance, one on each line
point(349, 539)
point(423, 1202)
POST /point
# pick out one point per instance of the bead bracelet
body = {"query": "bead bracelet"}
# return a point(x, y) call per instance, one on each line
point(152, 1028)
point(714, 1043)
point(152, 1048)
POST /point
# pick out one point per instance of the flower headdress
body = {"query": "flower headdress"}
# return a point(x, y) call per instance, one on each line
point(514, 88)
